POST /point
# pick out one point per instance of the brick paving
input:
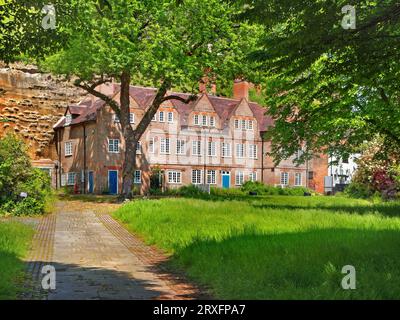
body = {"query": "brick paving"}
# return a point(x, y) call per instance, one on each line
point(96, 258)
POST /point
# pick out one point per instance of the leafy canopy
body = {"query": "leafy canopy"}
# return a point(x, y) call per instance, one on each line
point(21, 29)
point(329, 87)
point(155, 40)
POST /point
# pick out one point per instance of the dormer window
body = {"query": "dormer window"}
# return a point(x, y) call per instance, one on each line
point(204, 121)
point(131, 118)
point(161, 116)
point(170, 117)
point(68, 119)
point(237, 126)
point(212, 121)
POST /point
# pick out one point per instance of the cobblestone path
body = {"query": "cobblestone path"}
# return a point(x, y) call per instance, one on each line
point(97, 258)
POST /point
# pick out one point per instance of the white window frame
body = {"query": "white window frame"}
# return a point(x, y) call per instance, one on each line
point(139, 147)
point(196, 120)
point(250, 125)
point(196, 148)
point(197, 176)
point(180, 146)
point(174, 177)
point(161, 116)
point(152, 145)
point(237, 124)
point(226, 150)
point(284, 179)
point(115, 118)
point(298, 177)
point(68, 119)
point(68, 149)
point(239, 178)
point(212, 121)
point(131, 118)
point(211, 177)
point(137, 177)
point(71, 178)
point(253, 151)
point(240, 150)
point(63, 180)
point(113, 145)
point(165, 146)
point(253, 176)
point(170, 117)
point(212, 149)
point(154, 118)
point(243, 124)
point(204, 120)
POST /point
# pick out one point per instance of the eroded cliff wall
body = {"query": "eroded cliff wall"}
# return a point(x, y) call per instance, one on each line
point(31, 103)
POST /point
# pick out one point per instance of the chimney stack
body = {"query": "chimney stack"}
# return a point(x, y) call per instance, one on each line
point(241, 89)
point(203, 86)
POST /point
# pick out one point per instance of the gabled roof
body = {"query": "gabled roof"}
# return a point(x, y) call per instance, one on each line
point(87, 109)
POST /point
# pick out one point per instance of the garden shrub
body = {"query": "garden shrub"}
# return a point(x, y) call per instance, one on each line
point(262, 189)
point(16, 176)
point(358, 190)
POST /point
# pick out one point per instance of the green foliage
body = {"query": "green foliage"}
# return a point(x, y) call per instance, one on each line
point(21, 33)
point(334, 85)
point(156, 40)
point(14, 244)
point(276, 247)
point(16, 176)
point(358, 190)
point(263, 189)
point(249, 189)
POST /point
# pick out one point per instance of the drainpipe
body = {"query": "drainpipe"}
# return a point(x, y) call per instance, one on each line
point(84, 160)
point(59, 155)
point(262, 158)
point(57, 165)
point(205, 157)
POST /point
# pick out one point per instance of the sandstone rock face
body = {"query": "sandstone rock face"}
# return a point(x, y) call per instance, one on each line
point(30, 105)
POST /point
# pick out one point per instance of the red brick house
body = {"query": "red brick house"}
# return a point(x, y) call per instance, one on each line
point(213, 139)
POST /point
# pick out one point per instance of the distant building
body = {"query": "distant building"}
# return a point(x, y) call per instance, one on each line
point(342, 170)
point(213, 140)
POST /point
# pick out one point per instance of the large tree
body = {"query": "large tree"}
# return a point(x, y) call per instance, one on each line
point(326, 85)
point(165, 43)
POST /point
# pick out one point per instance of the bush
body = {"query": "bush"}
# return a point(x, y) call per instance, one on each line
point(358, 190)
point(262, 189)
point(17, 176)
point(28, 206)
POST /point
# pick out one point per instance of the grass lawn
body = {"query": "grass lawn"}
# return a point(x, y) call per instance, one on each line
point(276, 247)
point(14, 243)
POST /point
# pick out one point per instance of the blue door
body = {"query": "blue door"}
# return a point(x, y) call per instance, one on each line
point(226, 180)
point(113, 182)
point(91, 182)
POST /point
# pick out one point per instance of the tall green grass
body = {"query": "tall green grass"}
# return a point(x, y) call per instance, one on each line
point(276, 247)
point(14, 242)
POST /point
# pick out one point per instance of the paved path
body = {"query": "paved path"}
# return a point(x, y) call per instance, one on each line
point(96, 258)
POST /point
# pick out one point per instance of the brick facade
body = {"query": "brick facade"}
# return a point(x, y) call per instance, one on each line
point(215, 138)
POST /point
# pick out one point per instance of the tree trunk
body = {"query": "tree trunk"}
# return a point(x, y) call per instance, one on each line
point(131, 136)
point(129, 161)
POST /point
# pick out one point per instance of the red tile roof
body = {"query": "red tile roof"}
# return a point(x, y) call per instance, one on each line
point(87, 109)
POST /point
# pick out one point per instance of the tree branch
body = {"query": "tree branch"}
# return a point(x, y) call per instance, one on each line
point(191, 98)
point(91, 89)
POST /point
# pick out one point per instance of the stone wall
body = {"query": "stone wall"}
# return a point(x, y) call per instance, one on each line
point(31, 103)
